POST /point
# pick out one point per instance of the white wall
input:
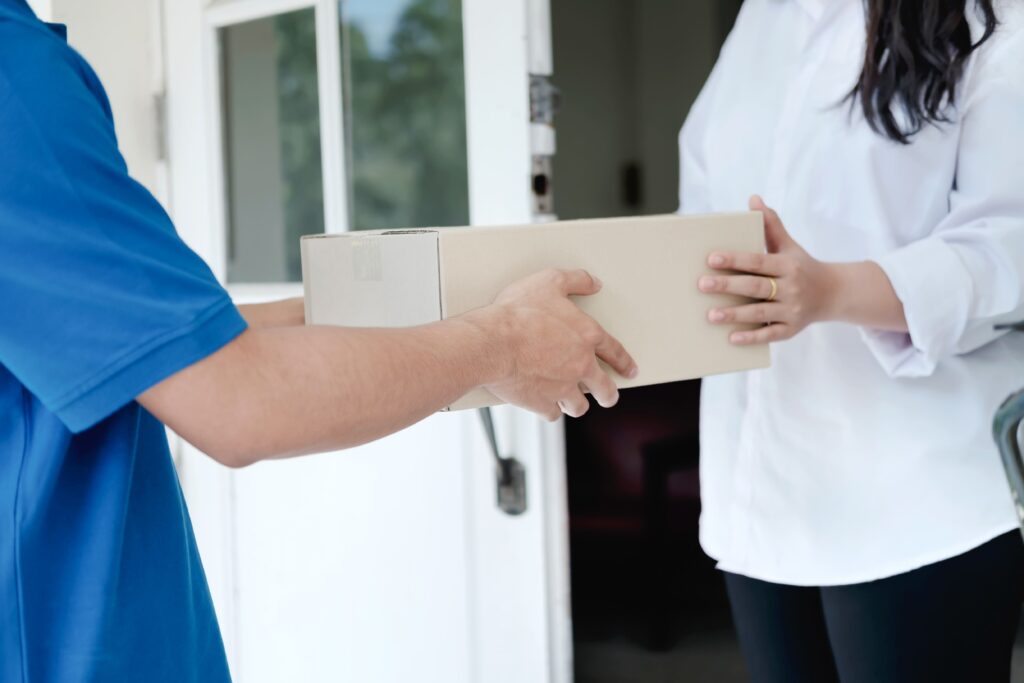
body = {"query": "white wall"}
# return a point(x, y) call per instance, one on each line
point(120, 40)
point(628, 70)
point(42, 8)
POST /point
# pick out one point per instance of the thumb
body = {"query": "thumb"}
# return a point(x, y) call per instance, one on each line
point(775, 234)
point(579, 283)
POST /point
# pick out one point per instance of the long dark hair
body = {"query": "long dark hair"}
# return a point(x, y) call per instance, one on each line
point(915, 57)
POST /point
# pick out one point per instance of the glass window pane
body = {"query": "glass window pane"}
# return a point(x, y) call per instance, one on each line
point(272, 144)
point(405, 113)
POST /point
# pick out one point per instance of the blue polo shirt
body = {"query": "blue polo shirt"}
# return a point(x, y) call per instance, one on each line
point(100, 579)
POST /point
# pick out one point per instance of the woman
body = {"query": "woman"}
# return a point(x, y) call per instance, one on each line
point(852, 493)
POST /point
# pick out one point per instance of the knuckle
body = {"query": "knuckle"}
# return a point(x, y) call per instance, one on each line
point(757, 261)
point(761, 314)
point(582, 366)
point(593, 334)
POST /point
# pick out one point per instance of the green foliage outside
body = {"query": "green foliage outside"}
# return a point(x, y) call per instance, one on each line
point(405, 123)
point(299, 110)
point(406, 117)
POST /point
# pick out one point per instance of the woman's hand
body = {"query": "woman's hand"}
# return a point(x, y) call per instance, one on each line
point(795, 289)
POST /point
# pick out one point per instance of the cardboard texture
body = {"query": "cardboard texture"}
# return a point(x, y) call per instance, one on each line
point(649, 267)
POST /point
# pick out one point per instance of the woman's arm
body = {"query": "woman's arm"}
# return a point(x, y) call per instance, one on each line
point(805, 289)
point(944, 294)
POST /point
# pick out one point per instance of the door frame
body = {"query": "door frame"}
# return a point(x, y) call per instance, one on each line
point(529, 636)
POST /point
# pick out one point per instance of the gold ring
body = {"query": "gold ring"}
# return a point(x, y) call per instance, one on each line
point(775, 289)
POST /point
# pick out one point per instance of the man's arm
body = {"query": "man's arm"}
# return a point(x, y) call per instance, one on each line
point(287, 313)
point(285, 391)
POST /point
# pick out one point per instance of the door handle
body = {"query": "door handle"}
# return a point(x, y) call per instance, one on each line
point(510, 473)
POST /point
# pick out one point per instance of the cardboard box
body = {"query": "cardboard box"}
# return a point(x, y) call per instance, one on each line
point(649, 267)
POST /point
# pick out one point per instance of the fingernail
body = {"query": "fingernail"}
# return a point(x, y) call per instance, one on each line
point(739, 338)
point(706, 284)
point(633, 373)
point(716, 316)
point(716, 260)
point(597, 281)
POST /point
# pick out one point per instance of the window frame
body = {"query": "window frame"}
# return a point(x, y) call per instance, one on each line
point(332, 127)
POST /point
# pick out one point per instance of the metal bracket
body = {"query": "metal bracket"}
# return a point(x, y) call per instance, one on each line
point(545, 100)
point(511, 474)
point(542, 185)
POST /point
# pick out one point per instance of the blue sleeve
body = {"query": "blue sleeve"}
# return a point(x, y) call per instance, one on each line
point(101, 299)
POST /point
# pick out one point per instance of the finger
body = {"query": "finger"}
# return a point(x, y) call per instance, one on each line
point(552, 413)
point(575, 404)
point(577, 283)
point(761, 314)
point(612, 352)
point(761, 264)
point(776, 236)
point(750, 286)
point(765, 335)
point(602, 388)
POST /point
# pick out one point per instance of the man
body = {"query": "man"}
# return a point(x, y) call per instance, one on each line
point(113, 328)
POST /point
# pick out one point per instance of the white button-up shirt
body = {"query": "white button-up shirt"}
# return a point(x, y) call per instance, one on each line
point(862, 454)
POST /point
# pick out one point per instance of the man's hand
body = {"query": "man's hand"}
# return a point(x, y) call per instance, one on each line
point(552, 346)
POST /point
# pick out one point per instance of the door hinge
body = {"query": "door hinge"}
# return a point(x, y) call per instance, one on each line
point(545, 100)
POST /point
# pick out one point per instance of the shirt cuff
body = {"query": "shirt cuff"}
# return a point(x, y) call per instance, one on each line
point(155, 362)
point(930, 280)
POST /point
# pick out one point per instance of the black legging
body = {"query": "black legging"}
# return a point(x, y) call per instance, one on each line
point(951, 621)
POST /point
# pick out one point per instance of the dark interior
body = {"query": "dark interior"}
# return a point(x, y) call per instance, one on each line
point(647, 603)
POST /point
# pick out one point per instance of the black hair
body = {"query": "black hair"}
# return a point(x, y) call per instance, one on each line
point(914, 61)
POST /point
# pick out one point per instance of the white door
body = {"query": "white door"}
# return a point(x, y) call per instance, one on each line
point(391, 562)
